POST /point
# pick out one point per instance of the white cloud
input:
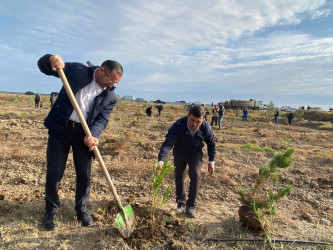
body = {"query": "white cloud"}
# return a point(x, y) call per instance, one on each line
point(170, 45)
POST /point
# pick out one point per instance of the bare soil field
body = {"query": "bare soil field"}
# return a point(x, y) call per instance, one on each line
point(129, 147)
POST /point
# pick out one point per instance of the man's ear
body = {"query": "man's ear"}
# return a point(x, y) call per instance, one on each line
point(101, 71)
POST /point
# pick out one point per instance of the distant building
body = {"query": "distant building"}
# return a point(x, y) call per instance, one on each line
point(252, 104)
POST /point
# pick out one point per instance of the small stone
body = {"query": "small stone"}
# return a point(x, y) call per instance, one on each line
point(314, 185)
point(23, 181)
point(307, 216)
point(315, 204)
point(325, 222)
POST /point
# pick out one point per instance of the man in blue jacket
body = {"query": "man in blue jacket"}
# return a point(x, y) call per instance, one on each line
point(187, 136)
point(93, 88)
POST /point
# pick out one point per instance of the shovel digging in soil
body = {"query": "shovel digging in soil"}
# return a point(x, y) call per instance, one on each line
point(125, 219)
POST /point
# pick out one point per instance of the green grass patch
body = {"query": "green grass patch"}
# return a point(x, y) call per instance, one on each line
point(326, 127)
point(254, 147)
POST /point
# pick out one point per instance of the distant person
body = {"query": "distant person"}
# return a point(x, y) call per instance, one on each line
point(206, 114)
point(221, 114)
point(94, 89)
point(187, 136)
point(149, 111)
point(51, 100)
point(290, 117)
point(37, 100)
point(215, 115)
point(159, 109)
point(276, 114)
point(245, 114)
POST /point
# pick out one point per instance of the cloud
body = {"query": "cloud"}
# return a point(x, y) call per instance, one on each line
point(202, 48)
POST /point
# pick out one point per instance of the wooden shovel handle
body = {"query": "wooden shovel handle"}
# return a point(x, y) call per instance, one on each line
point(88, 133)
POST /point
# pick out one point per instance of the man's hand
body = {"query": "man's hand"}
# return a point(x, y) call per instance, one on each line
point(158, 165)
point(211, 168)
point(56, 62)
point(91, 142)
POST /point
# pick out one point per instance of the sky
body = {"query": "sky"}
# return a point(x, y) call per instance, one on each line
point(178, 50)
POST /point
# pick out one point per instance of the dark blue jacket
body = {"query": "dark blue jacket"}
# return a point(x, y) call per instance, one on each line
point(78, 76)
point(180, 138)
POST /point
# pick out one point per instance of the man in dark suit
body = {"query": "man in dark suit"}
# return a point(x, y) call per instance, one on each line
point(93, 88)
point(187, 136)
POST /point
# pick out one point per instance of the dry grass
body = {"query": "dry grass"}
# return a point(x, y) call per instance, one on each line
point(129, 147)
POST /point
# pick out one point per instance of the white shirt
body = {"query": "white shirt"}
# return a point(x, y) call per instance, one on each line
point(85, 98)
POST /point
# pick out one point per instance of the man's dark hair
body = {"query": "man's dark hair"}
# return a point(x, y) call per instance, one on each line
point(197, 111)
point(113, 65)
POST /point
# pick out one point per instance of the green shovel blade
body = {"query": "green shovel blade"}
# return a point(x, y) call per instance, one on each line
point(126, 227)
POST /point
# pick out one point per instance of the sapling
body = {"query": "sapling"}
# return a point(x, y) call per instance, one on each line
point(258, 127)
point(286, 142)
point(159, 196)
point(299, 113)
point(22, 117)
point(270, 110)
point(258, 204)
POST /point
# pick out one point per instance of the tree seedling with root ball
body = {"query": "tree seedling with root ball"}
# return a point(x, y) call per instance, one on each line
point(258, 204)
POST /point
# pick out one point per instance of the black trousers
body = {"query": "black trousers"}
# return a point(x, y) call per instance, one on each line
point(289, 121)
point(194, 163)
point(57, 154)
point(214, 121)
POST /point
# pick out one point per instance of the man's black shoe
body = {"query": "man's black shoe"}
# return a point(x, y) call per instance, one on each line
point(50, 222)
point(85, 218)
point(180, 209)
point(190, 212)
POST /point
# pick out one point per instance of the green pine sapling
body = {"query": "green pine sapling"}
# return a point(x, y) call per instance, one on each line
point(257, 205)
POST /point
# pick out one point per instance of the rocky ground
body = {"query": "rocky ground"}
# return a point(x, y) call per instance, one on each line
point(129, 147)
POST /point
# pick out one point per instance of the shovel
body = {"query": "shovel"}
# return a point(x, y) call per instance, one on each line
point(125, 219)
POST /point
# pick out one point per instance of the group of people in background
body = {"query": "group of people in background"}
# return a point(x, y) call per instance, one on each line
point(218, 113)
point(290, 116)
point(38, 102)
point(159, 108)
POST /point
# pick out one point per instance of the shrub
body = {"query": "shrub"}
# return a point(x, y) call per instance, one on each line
point(269, 111)
point(317, 115)
point(121, 105)
point(299, 113)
